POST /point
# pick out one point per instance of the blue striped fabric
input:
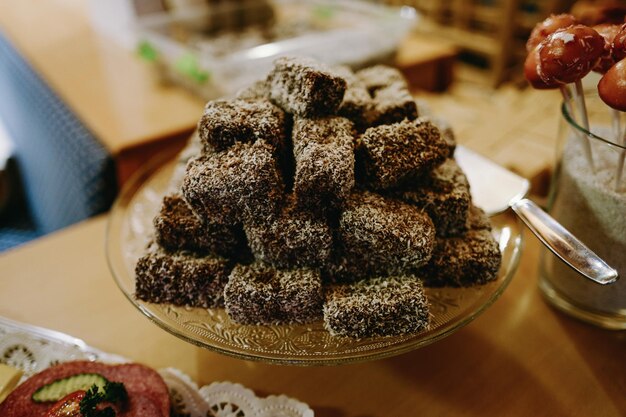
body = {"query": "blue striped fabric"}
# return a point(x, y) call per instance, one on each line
point(67, 174)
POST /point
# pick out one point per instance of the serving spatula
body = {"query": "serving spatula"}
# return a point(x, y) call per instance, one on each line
point(495, 189)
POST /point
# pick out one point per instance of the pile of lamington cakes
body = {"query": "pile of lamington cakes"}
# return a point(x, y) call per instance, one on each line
point(318, 193)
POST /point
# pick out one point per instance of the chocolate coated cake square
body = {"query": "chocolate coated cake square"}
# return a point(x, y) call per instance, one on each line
point(392, 104)
point(357, 104)
point(471, 259)
point(225, 122)
point(181, 278)
point(305, 87)
point(260, 294)
point(445, 195)
point(324, 155)
point(381, 76)
point(429, 123)
point(241, 184)
point(178, 228)
point(295, 238)
point(385, 234)
point(388, 306)
point(389, 155)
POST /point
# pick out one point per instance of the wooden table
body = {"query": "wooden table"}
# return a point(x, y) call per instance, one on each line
point(520, 358)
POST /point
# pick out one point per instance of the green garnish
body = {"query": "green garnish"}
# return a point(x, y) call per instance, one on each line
point(113, 392)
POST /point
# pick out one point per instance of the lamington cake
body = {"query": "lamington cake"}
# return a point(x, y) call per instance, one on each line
point(445, 195)
point(390, 155)
point(181, 278)
point(376, 307)
point(470, 259)
point(259, 294)
point(385, 235)
point(318, 193)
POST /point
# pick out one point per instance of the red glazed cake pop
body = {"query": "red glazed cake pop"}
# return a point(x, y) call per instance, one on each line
point(612, 86)
point(531, 66)
point(567, 55)
point(608, 32)
point(618, 46)
point(550, 25)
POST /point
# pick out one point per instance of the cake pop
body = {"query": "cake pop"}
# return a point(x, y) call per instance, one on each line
point(608, 32)
point(540, 32)
point(531, 72)
point(568, 55)
point(550, 25)
point(618, 46)
point(612, 90)
point(612, 86)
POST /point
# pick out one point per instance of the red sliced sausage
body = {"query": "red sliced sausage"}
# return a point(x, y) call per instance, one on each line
point(148, 394)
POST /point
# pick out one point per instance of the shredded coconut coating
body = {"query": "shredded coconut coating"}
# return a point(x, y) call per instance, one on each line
point(392, 104)
point(389, 155)
point(386, 234)
point(381, 76)
point(260, 294)
point(357, 104)
point(471, 259)
point(430, 123)
point(388, 306)
point(178, 228)
point(225, 122)
point(305, 87)
point(181, 278)
point(258, 90)
point(478, 219)
point(445, 195)
point(324, 155)
point(295, 238)
point(241, 184)
point(345, 268)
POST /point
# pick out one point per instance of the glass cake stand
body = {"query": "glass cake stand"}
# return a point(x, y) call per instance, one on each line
point(129, 231)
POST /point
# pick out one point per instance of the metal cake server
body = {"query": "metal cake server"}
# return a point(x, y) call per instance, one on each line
point(495, 189)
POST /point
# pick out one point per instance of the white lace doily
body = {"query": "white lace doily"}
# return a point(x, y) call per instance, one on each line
point(33, 349)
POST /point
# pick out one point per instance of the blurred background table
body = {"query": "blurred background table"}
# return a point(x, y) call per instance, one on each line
point(519, 358)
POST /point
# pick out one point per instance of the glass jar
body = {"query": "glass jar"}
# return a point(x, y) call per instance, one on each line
point(589, 199)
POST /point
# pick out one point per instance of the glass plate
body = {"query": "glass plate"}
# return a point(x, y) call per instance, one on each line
point(130, 229)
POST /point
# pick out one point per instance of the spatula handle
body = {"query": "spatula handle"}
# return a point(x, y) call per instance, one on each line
point(563, 244)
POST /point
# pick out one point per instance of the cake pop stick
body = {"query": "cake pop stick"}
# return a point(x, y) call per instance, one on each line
point(612, 90)
point(531, 72)
point(566, 56)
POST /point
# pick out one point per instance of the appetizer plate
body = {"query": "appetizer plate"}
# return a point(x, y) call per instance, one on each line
point(32, 349)
point(130, 230)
